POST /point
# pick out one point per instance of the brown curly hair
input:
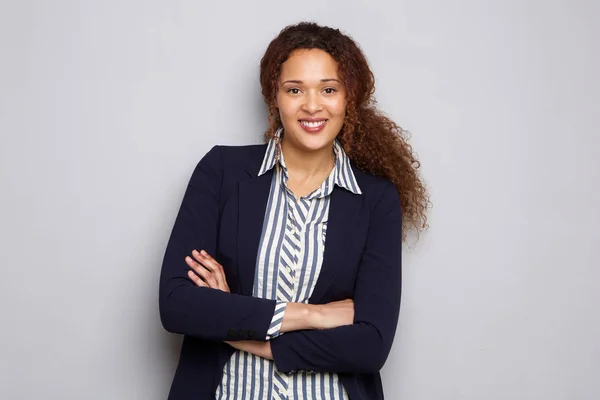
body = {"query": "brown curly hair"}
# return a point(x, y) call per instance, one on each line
point(374, 142)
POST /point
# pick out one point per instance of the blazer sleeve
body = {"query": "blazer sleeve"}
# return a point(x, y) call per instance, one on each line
point(199, 311)
point(363, 346)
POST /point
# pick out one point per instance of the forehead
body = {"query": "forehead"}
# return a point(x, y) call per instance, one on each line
point(307, 64)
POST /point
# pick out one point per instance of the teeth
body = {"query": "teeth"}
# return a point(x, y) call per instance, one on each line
point(312, 124)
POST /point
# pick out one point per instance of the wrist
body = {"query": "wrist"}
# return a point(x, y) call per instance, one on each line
point(267, 353)
point(261, 349)
point(315, 316)
point(300, 316)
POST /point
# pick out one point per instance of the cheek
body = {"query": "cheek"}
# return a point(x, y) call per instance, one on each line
point(338, 109)
point(286, 108)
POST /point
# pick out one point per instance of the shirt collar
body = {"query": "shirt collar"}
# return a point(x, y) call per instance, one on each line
point(342, 173)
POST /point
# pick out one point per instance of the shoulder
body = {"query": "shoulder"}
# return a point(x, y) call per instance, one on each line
point(379, 193)
point(247, 151)
point(225, 166)
point(370, 184)
point(233, 157)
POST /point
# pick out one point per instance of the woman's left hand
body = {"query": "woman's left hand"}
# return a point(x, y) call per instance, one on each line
point(206, 271)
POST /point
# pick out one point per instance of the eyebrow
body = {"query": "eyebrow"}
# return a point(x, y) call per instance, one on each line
point(300, 82)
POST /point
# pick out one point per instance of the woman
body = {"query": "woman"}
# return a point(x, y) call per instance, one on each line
point(295, 292)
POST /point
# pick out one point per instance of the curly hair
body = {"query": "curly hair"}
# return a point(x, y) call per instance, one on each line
point(374, 142)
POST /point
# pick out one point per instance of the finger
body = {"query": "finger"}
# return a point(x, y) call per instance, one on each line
point(205, 274)
point(206, 260)
point(213, 266)
point(219, 270)
point(196, 279)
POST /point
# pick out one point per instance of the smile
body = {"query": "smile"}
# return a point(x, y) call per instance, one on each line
point(313, 124)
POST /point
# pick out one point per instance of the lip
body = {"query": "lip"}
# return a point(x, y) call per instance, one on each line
point(312, 129)
point(313, 119)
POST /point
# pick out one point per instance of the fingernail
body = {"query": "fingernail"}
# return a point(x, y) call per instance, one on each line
point(203, 252)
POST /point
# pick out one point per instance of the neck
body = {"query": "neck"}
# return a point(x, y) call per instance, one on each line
point(307, 163)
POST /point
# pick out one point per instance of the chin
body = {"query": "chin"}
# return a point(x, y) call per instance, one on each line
point(316, 143)
point(312, 141)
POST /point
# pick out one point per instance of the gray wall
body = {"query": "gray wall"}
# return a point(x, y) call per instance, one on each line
point(105, 108)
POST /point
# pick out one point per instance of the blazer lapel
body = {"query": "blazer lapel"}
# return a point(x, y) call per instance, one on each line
point(253, 197)
point(344, 209)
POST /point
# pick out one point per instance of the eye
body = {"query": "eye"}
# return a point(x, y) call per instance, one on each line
point(293, 90)
point(330, 90)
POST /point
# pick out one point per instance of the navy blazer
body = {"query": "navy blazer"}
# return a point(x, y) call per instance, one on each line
point(222, 212)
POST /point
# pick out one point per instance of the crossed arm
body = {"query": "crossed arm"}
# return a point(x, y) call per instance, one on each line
point(206, 272)
point(336, 337)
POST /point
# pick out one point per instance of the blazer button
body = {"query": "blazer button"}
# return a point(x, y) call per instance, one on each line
point(232, 333)
point(241, 333)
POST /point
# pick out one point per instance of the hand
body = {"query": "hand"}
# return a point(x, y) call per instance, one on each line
point(334, 314)
point(206, 271)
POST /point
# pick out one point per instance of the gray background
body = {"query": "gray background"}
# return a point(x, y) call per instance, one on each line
point(106, 106)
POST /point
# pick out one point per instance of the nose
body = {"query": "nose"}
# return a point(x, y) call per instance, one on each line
point(312, 104)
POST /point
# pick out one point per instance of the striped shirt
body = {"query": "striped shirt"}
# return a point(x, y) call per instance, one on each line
point(288, 263)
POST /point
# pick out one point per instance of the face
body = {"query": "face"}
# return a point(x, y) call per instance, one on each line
point(311, 100)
